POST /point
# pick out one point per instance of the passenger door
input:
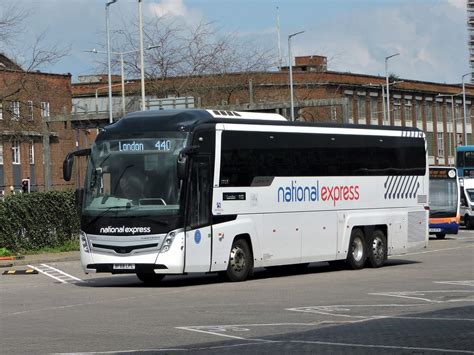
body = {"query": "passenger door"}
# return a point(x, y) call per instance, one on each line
point(198, 224)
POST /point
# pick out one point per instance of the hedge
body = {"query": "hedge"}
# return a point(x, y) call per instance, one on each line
point(29, 222)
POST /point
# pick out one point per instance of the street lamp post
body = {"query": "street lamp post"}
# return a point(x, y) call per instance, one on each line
point(464, 107)
point(290, 64)
point(122, 70)
point(386, 79)
point(383, 104)
point(109, 2)
point(97, 95)
point(142, 66)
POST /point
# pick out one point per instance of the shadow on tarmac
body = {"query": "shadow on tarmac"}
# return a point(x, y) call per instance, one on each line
point(440, 331)
point(199, 279)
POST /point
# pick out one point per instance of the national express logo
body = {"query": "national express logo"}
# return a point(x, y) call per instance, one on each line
point(123, 229)
point(295, 193)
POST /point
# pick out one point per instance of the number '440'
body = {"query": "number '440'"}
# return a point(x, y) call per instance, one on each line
point(163, 146)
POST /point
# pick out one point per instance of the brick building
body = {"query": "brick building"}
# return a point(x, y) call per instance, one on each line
point(319, 95)
point(35, 127)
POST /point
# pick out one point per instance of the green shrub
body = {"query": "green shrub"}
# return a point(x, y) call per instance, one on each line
point(30, 222)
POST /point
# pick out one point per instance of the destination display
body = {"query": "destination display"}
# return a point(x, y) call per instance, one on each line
point(469, 173)
point(442, 173)
point(160, 145)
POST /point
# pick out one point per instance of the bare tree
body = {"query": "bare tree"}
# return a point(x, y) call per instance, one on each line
point(198, 57)
point(16, 81)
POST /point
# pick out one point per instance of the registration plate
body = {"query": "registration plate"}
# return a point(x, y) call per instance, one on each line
point(124, 266)
point(435, 230)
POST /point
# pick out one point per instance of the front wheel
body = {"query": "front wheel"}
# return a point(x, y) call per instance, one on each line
point(150, 278)
point(357, 251)
point(468, 222)
point(440, 235)
point(377, 249)
point(240, 261)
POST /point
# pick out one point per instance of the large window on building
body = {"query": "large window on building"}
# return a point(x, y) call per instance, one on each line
point(1, 110)
point(16, 152)
point(396, 109)
point(430, 143)
point(429, 111)
point(350, 109)
point(361, 109)
point(32, 152)
point(408, 114)
point(15, 108)
point(449, 115)
point(440, 141)
point(374, 114)
point(419, 116)
point(1, 153)
point(468, 113)
point(458, 112)
point(439, 112)
point(44, 109)
point(30, 110)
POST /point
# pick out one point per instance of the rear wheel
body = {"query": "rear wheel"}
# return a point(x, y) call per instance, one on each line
point(240, 261)
point(357, 251)
point(440, 235)
point(377, 249)
point(150, 278)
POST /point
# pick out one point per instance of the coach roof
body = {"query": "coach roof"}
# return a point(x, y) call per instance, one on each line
point(187, 120)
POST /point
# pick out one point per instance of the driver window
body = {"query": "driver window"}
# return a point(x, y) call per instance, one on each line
point(199, 193)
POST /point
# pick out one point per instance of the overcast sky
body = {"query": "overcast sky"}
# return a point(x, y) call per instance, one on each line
point(355, 35)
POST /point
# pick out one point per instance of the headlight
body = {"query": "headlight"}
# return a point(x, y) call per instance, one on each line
point(167, 242)
point(84, 242)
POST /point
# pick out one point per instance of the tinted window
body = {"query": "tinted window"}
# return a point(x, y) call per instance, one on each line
point(246, 155)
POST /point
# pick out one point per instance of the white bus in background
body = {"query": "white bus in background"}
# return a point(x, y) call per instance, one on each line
point(228, 192)
point(467, 202)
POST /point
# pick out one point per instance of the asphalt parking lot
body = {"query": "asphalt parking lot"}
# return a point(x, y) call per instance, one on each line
point(419, 303)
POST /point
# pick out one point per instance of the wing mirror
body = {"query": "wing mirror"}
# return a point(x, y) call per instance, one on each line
point(183, 160)
point(69, 162)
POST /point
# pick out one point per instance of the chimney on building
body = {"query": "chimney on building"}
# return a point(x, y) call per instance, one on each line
point(311, 63)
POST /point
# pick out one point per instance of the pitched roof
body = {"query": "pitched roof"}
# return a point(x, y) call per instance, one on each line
point(8, 64)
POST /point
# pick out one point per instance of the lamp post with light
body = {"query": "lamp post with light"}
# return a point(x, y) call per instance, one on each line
point(388, 87)
point(464, 107)
point(109, 2)
point(122, 70)
point(290, 64)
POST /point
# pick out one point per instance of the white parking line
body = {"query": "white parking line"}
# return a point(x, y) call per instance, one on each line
point(62, 272)
point(431, 251)
point(47, 274)
point(201, 329)
point(55, 274)
point(423, 295)
point(457, 283)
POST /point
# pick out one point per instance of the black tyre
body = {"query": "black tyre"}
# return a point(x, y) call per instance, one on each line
point(440, 235)
point(468, 222)
point(357, 251)
point(240, 261)
point(377, 249)
point(150, 278)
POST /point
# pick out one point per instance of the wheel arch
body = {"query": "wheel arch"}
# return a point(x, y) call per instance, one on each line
point(248, 239)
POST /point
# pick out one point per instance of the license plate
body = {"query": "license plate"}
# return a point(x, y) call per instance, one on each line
point(435, 230)
point(124, 266)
